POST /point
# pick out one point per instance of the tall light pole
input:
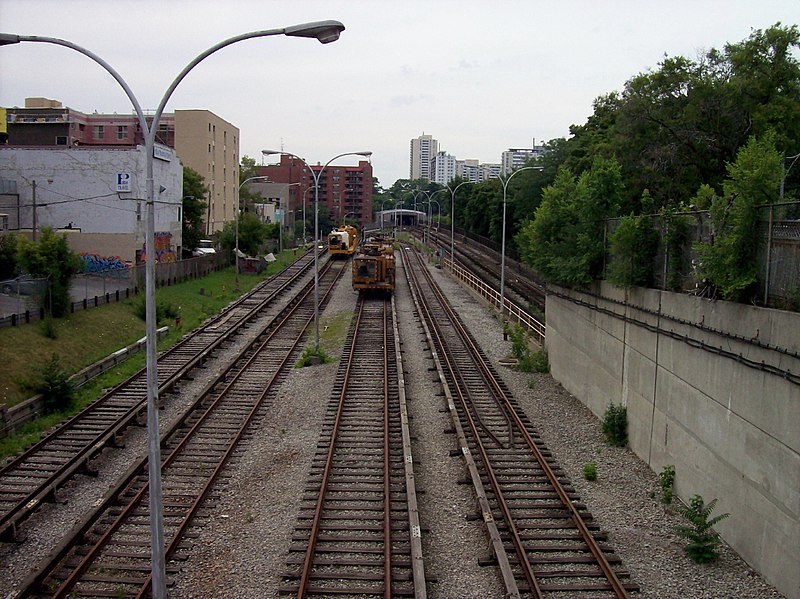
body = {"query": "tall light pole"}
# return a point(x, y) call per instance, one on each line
point(453, 222)
point(316, 175)
point(325, 32)
point(236, 224)
point(503, 245)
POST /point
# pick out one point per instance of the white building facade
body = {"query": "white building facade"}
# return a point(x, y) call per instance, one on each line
point(97, 195)
point(423, 150)
point(443, 168)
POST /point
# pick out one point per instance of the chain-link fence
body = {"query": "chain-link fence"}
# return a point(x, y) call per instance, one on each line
point(23, 299)
point(778, 253)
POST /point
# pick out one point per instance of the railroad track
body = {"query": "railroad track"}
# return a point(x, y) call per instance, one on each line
point(358, 533)
point(108, 554)
point(36, 475)
point(544, 541)
point(484, 263)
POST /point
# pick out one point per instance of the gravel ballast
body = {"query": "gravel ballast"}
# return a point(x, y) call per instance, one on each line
point(239, 546)
point(241, 552)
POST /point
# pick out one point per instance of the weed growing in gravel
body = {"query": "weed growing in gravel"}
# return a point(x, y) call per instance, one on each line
point(531, 383)
point(667, 478)
point(312, 356)
point(527, 360)
point(590, 471)
point(615, 425)
point(703, 540)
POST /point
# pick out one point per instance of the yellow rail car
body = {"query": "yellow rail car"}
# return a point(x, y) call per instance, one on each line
point(374, 266)
point(343, 241)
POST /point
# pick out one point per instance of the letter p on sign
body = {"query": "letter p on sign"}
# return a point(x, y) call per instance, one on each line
point(123, 182)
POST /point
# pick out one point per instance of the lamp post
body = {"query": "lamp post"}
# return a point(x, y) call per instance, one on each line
point(236, 224)
point(325, 32)
point(453, 222)
point(316, 176)
point(503, 244)
point(304, 210)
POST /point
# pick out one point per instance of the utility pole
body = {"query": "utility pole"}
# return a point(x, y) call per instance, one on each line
point(34, 210)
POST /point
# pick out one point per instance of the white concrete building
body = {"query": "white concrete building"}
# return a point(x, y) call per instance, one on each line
point(423, 149)
point(443, 168)
point(98, 195)
point(515, 158)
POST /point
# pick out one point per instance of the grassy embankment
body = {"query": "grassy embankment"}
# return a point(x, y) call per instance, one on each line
point(87, 336)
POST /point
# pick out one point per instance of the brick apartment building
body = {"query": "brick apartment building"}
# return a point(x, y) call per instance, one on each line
point(345, 190)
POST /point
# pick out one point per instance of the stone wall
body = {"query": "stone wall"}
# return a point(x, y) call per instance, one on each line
point(710, 387)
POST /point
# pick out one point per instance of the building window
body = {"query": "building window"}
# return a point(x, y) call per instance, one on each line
point(61, 140)
point(99, 132)
point(122, 132)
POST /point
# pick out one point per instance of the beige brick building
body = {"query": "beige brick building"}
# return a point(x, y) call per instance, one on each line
point(210, 145)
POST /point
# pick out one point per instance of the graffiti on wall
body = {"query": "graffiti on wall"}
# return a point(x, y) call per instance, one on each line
point(165, 253)
point(93, 263)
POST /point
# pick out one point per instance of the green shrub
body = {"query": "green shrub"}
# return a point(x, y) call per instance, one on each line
point(667, 478)
point(590, 471)
point(527, 360)
point(48, 327)
point(615, 425)
point(312, 356)
point(703, 540)
point(164, 310)
point(53, 383)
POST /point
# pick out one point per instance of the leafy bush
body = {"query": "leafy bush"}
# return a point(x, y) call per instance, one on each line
point(50, 257)
point(590, 471)
point(615, 425)
point(527, 360)
point(164, 310)
point(703, 540)
point(312, 356)
point(667, 478)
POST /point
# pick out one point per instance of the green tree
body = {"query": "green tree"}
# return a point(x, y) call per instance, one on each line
point(8, 255)
point(50, 257)
point(729, 261)
point(564, 241)
point(633, 248)
point(247, 198)
point(194, 208)
point(253, 234)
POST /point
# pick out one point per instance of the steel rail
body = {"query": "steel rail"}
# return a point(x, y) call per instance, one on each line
point(387, 465)
point(176, 431)
point(498, 391)
point(305, 577)
point(79, 460)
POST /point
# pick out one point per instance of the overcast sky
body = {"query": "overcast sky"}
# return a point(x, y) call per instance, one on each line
point(481, 76)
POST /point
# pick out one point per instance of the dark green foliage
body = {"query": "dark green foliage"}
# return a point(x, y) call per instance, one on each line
point(194, 208)
point(53, 383)
point(615, 425)
point(667, 479)
point(590, 471)
point(253, 234)
point(48, 326)
point(729, 262)
point(703, 540)
point(164, 310)
point(50, 257)
point(677, 229)
point(633, 248)
point(8, 256)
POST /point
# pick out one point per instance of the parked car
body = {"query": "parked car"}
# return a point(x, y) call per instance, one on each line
point(204, 248)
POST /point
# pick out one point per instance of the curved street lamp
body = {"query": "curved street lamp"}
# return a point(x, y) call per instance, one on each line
point(453, 222)
point(316, 176)
point(325, 32)
point(503, 245)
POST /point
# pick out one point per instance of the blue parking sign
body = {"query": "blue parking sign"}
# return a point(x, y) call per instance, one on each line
point(123, 181)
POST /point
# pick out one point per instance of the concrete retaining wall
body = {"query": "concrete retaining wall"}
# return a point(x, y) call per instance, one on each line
point(710, 387)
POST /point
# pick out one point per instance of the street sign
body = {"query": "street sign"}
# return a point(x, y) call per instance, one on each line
point(124, 182)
